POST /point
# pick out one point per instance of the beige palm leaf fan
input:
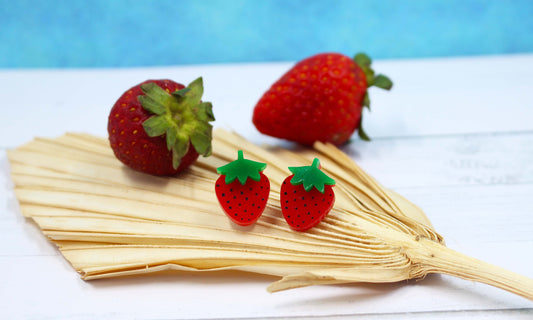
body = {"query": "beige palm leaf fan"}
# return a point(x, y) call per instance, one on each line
point(109, 221)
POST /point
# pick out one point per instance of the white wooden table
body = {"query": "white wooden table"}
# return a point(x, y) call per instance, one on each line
point(454, 136)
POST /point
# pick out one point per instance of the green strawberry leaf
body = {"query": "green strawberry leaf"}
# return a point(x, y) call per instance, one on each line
point(366, 100)
point(205, 111)
point(181, 93)
point(156, 125)
point(242, 169)
point(171, 137)
point(382, 81)
point(201, 139)
point(362, 59)
point(151, 105)
point(364, 62)
point(189, 97)
point(155, 97)
point(179, 150)
point(362, 134)
point(311, 177)
point(180, 116)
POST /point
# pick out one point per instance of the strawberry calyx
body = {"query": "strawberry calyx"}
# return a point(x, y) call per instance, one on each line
point(311, 177)
point(242, 169)
point(379, 80)
point(181, 116)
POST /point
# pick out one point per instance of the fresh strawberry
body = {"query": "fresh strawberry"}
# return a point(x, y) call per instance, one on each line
point(242, 190)
point(160, 126)
point(319, 99)
point(306, 196)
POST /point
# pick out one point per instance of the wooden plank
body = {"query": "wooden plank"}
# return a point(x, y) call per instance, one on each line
point(454, 136)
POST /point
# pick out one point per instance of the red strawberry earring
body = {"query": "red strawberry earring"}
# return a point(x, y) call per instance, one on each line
point(242, 190)
point(306, 196)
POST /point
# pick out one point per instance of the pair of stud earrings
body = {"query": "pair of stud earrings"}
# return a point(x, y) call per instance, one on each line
point(306, 196)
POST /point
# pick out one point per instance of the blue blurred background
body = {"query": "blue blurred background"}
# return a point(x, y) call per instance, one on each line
point(126, 33)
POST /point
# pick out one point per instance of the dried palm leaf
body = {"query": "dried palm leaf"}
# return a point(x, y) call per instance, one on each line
point(108, 220)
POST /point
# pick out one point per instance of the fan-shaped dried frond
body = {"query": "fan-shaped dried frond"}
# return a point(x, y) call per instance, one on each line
point(109, 221)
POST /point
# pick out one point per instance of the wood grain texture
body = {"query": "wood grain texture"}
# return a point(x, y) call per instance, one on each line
point(456, 146)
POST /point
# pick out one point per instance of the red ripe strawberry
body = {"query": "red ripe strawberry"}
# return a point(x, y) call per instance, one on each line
point(319, 99)
point(306, 196)
point(160, 126)
point(242, 190)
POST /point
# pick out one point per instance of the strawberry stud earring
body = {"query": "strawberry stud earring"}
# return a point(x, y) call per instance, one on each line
point(242, 190)
point(306, 196)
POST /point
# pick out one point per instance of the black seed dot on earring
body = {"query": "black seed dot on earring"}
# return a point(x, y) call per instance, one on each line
point(223, 194)
point(235, 214)
point(305, 205)
point(218, 185)
point(308, 212)
point(287, 208)
point(250, 189)
point(246, 198)
point(242, 192)
point(285, 193)
point(240, 204)
point(256, 194)
point(227, 201)
point(230, 190)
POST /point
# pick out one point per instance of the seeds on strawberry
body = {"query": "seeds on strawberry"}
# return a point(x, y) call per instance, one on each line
point(160, 126)
point(306, 196)
point(242, 190)
point(319, 99)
